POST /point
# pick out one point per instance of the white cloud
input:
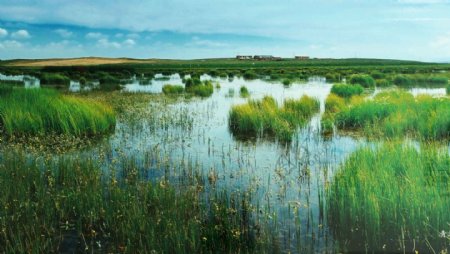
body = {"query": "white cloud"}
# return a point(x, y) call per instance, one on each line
point(133, 36)
point(196, 41)
point(441, 42)
point(21, 34)
point(12, 44)
point(93, 35)
point(3, 32)
point(105, 43)
point(129, 42)
point(64, 33)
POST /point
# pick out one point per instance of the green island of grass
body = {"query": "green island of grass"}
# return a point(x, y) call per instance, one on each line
point(44, 111)
point(393, 114)
point(264, 117)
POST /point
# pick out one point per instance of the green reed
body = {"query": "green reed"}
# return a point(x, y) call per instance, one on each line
point(264, 117)
point(392, 198)
point(43, 111)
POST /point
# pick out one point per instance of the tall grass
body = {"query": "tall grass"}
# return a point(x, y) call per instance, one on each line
point(264, 117)
point(42, 111)
point(362, 79)
point(396, 114)
point(347, 91)
point(70, 206)
point(243, 92)
point(172, 89)
point(419, 80)
point(204, 89)
point(393, 198)
point(54, 79)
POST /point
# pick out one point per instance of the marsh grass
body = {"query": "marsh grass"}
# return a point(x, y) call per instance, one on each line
point(362, 79)
point(69, 205)
point(392, 198)
point(172, 89)
point(202, 89)
point(243, 92)
point(419, 80)
point(347, 91)
point(398, 114)
point(42, 111)
point(264, 117)
point(54, 79)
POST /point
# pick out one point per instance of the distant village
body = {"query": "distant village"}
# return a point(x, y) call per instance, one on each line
point(268, 57)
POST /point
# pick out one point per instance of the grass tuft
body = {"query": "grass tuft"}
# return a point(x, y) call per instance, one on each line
point(264, 117)
point(347, 91)
point(41, 111)
point(391, 198)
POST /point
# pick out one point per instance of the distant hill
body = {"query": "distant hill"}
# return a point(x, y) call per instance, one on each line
point(212, 63)
point(84, 61)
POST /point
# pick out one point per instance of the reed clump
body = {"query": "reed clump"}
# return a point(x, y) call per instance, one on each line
point(199, 88)
point(362, 79)
point(258, 118)
point(392, 198)
point(243, 92)
point(42, 111)
point(172, 89)
point(398, 114)
point(347, 91)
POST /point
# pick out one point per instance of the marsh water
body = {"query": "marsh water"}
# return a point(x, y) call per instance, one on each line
point(286, 181)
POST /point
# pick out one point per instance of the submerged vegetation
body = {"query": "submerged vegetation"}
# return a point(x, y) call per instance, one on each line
point(392, 198)
point(42, 111)
point(264, 117)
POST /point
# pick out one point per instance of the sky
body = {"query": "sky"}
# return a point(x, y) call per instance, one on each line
point(180, 29)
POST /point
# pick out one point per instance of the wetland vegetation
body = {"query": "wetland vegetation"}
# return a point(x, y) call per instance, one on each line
point(43, 111)
point(326, 156)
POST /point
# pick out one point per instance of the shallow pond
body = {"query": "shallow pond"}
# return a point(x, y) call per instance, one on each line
point(286, 180)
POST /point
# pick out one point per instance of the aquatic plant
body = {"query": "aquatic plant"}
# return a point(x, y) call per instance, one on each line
point(203, 89)
point(287, 82)
point(382, 83)
point(363, 80)
point(54, 79)
point(392, 198)
point(172, 89)
point(250, 74)
point(347, 91)
point(334, 103)
point(69, 205)
point(265, 117)
point(396, 114)
point(419, 80)
point(243, 92)
point(40, 111)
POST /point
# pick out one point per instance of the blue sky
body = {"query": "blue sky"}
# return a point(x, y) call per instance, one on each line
point(400, 29)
